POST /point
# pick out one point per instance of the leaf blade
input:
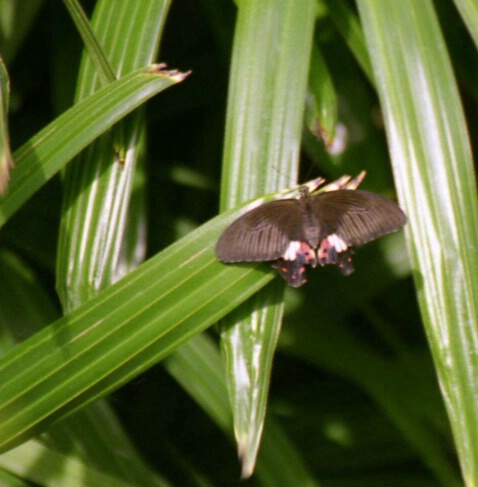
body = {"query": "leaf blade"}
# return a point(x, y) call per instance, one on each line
point(55, 144)
point(436, 184)
point(93, 350)
point(264, 121)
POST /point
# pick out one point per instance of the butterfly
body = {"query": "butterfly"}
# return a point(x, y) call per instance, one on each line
point(302, 232)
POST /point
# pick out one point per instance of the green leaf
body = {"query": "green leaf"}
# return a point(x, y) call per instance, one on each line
point(102, 232)
point(321, 109)
point(469, 13)
point(248, 347)
point(16, 19)
point(349, 26)
point(43, 466)
point(354, 391)
point(26, 308)
point(120, 333)
point(268, 80)
point(436, 185)
point(398, 384)
point(197, 367)
point(95, 52)
point(98, 186)
point(6, 161)
point(54, 146)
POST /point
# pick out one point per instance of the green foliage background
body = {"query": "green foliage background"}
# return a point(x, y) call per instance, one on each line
point(111, 371)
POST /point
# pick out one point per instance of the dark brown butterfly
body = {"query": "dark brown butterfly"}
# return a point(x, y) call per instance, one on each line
point(300, 232)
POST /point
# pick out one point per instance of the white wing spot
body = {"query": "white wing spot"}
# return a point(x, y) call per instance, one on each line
point(336, 242)
point(292, 249)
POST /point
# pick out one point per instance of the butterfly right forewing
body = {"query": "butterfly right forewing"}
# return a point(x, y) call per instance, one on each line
point(357, 217)
point(261, 234)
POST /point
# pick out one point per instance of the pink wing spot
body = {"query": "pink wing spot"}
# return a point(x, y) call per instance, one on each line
point(308, 254)
point(301, 252)
point(329, 249)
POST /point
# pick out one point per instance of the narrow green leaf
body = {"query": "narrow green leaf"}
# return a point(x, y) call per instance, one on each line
point(266, 100)
point(6, 161)
point(469, 13)
point(27, 308)
point(43, 466)
point(436, 184)
point(120, 333)
point(271, 57)
point(12, 480)
point(96, 53)
point(140, 24)
point(16, 19)
point(102, 230)
point(321, 109)
point(197, 367)
point(399, 389)
point(349, 26)
point(47, 152)
point(248, 349)
point(98, 186)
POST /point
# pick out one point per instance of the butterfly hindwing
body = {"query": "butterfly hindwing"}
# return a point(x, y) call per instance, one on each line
point(261, 234)
point(294, 270)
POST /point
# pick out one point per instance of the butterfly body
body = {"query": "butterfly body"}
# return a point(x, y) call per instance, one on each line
point(299, 233)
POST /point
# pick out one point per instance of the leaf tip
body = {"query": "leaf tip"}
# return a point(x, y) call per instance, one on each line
point(174, 74)
point(6, 162)
point(247, 463)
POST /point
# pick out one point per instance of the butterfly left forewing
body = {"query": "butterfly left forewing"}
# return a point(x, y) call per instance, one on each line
point(261, 234)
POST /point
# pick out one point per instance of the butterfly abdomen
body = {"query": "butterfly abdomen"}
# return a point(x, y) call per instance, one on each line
point(312, 230)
